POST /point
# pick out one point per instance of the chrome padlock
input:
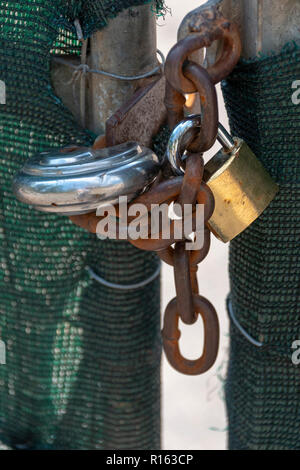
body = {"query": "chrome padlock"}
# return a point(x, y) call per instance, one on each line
point(78, 180)
point(241, 186)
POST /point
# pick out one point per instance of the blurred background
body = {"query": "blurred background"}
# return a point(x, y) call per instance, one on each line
point(193, 410)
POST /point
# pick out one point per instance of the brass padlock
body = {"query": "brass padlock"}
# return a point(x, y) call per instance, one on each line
point(241, 186)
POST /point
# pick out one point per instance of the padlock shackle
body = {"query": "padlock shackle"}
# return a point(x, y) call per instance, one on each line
point(183, 135)
point(225, 139)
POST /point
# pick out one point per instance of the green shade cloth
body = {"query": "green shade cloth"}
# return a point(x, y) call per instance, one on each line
point(83, 360)
point(263, 385)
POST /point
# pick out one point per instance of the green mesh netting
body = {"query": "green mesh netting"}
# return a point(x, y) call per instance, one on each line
point(93, 15)
point(96, 14)
point(263, 385)
point(83, 360)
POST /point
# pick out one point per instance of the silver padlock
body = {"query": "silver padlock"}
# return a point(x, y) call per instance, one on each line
point(78, 181)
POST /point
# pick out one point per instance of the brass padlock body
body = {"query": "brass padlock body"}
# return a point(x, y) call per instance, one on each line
point(242, 188)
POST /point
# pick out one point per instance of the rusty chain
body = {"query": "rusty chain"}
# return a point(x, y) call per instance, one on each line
point(185, 76)
point(205, 28)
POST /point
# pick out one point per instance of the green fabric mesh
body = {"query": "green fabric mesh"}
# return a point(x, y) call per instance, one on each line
point(95, 14)
point(263, 385)
point(83, 360)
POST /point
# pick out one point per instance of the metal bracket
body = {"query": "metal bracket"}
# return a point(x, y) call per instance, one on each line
point(265, 25)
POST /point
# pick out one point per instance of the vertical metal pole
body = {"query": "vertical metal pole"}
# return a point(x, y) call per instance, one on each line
point(127, 46)
point(268, 25)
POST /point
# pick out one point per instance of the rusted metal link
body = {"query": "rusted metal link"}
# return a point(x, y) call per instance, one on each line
point(204, 196)
point(192, 179)
point(88, 222)
point(157, 242)
point(171, 336)
point(205, 29)
point(209, 106)
point(164, 191)
point(196, 256)
point(174, 102)
point(183, 284)
point(194, 280)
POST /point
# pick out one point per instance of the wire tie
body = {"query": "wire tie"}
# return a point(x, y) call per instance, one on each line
point(242, 330)
point(112, 285)
point(80, 69)
point(79, 31)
